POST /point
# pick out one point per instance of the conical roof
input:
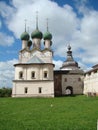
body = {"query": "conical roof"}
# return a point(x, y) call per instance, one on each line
point(70, 64)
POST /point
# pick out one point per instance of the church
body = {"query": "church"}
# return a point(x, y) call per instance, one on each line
point(35, 75)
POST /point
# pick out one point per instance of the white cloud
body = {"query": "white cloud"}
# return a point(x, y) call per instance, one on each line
point(6, 11)
point(6, 40)
point(64, 23)
point(7, 73)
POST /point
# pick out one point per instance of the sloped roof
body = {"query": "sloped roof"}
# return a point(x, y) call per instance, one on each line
point(35, 59)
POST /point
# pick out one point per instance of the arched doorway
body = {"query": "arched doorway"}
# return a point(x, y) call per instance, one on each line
point(69, 91)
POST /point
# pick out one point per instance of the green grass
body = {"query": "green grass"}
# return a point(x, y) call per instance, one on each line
point(65, 113)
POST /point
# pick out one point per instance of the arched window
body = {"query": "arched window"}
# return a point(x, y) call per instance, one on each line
point(20, 75)
point(79, 79)
point(33, 74)
point(39, 90)
point(45, 74)
point(26, 90)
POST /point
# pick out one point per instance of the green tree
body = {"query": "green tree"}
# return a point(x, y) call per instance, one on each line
point(5, 92)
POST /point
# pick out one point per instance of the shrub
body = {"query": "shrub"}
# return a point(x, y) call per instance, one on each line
point(5, 92)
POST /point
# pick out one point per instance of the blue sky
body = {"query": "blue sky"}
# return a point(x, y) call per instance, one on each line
point(73, 22)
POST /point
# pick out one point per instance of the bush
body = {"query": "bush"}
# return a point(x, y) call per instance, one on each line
point(5, 92)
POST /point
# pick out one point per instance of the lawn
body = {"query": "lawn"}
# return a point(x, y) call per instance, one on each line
point(65, 113)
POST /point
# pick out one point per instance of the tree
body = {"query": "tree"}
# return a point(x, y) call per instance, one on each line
point(5, 92)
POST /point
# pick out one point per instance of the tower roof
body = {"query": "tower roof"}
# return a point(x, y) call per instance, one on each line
point(29, 43)
point(70, 64)
point(47, 35)
point(25, 35)
point(37, 33)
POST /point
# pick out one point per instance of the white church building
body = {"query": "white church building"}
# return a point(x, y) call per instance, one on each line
point(35, 75)
point(34, 72)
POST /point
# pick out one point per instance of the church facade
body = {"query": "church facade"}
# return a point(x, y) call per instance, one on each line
point(34, 72)
point(35, 75)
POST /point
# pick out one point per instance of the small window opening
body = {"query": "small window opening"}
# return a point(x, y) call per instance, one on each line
point(26, 90)
point(45, 74)
point(20, 75)
point(40, 90)
point(79, 79)
point(33, 74)
point(65, 79)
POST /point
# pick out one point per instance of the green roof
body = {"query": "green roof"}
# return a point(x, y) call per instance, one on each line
point(37, 34)
point(29, 43)
point(25, 36)
point(47, 36)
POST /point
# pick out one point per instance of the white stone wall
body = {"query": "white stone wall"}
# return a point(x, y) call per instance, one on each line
point(47, 88)
point(45, 56)
point(33, 84)
point(24, 56)
point(38, 69)
point(73, 81)
point(91, 83)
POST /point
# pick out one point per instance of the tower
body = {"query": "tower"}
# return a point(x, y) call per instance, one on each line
point(69, 79)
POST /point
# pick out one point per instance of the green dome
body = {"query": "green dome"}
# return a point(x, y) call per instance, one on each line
point(29, 43)
point(25, 36)
point(37, 34)
point(47, 36)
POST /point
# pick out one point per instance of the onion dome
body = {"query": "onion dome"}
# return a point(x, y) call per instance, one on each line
point(47, 36)
point(25, 36)
point(29, 43)
point(37, 34)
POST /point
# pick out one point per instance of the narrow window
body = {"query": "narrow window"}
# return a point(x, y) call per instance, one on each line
point(32, 74)
point(40, 90)
point(65, 79)
point(26, 90)
point(79, 79)
point(20, 75)
point(45, 74)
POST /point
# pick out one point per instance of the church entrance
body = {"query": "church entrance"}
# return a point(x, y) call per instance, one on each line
point(69, 91)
